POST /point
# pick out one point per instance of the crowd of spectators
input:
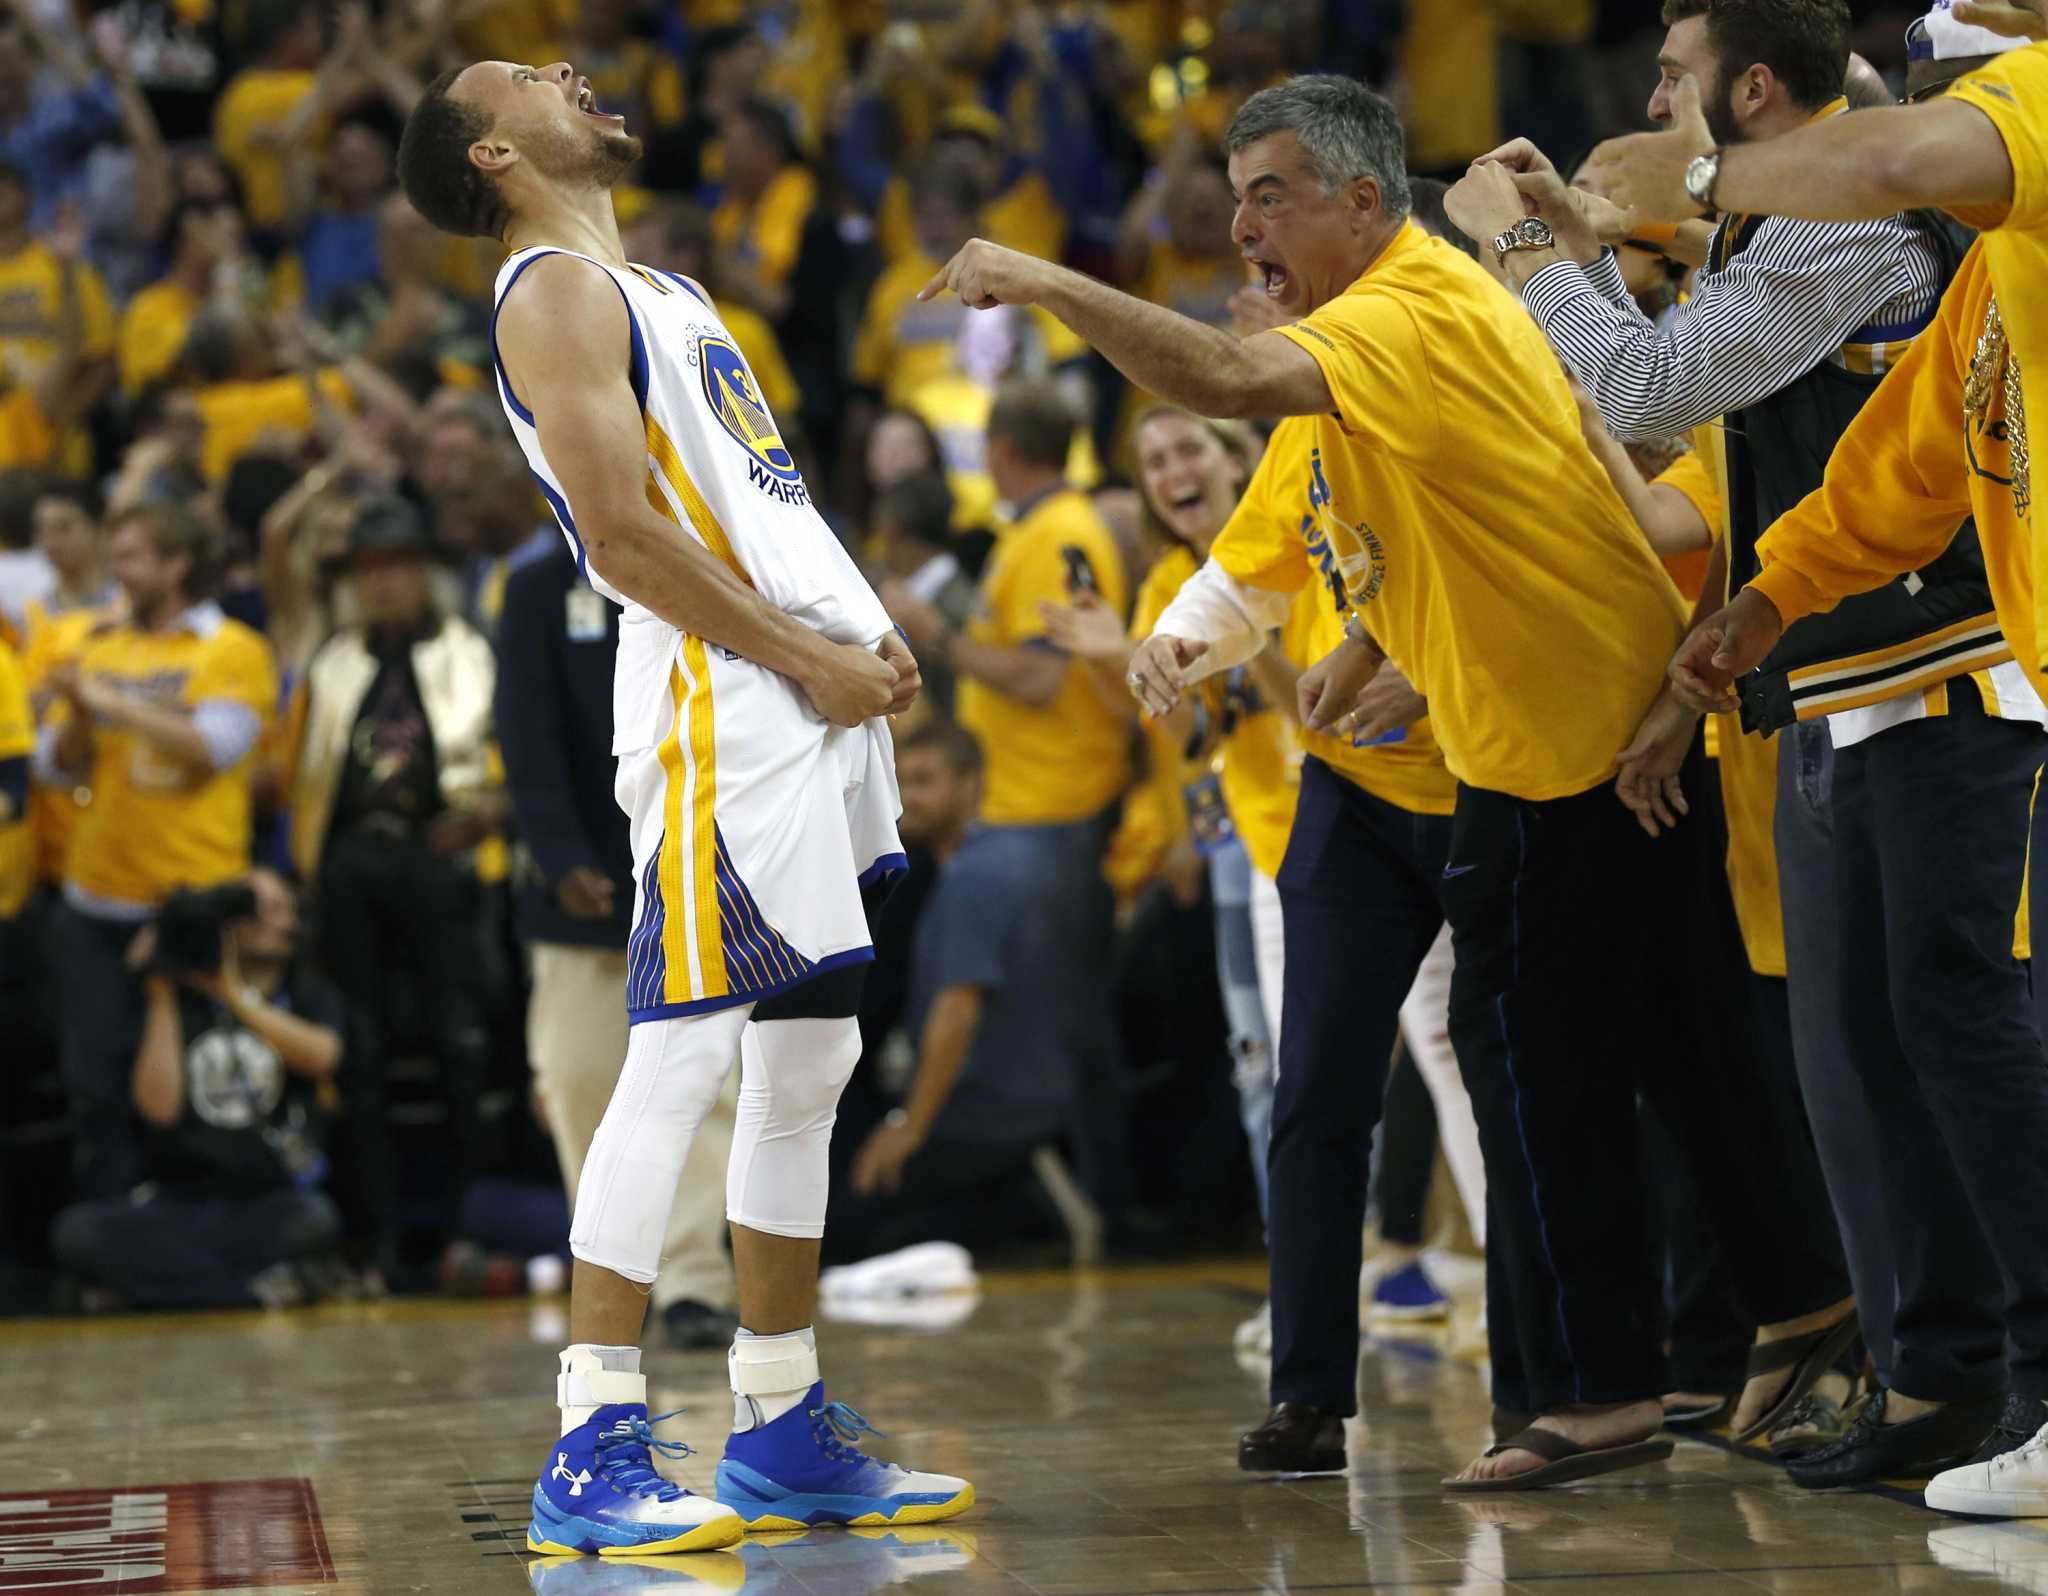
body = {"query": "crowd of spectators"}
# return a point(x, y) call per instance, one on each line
point(299, 696)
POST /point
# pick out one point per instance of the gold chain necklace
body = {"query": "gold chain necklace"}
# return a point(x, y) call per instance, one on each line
point(1993, 361)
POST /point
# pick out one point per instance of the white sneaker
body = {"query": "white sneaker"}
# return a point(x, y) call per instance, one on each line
point(1255, 1335)
point(2011, 1485)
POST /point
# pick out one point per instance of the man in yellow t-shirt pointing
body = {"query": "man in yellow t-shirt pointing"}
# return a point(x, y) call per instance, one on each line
point(1482, 549)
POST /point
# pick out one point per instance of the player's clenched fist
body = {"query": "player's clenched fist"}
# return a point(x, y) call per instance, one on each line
point(985, 275)
point(850, 684)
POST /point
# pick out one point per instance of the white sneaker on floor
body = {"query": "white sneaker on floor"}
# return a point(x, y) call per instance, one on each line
point(2011, 1485)
point(1255, 1335)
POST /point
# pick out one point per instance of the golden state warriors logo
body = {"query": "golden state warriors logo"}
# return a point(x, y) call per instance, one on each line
point(729, 390)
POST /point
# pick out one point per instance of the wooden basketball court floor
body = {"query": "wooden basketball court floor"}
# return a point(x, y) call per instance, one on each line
point(392, 1448)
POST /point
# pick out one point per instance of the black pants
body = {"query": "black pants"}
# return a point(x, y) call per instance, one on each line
point(99, 1029)
point(181, 1252)
point(1407, 1153)
point(1573, 932)
point(388, 906)
point(1359, 908)
point(1707, 1328)
point(1931, 825)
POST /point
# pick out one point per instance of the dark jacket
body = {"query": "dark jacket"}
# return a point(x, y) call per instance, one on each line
point(1913, 632)
point(557, 638)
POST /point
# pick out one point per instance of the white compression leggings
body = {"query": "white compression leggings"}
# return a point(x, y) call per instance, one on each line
point(791, 1075)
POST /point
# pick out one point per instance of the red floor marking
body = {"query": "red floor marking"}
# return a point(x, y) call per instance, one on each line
point(225, 1535)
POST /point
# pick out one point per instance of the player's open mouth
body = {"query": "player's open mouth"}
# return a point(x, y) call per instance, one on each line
point(586, 102)
point(1276, 277)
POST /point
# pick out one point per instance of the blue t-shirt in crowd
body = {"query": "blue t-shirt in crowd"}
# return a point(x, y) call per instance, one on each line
point(992, 921)
point(338, 250)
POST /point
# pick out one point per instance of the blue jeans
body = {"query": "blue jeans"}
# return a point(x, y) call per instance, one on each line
point(1237, 972)
point(187, 1252)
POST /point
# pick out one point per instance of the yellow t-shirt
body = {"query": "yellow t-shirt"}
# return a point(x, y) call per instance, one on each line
point(1273, 541)
point(237, 414)
point(1069, 760)
point(1746, 766)
point(1155, 811)
point(1690, 477)
point(26, 436)
point(153, 329)
point(17, 741)
point(1450, 69)
point(2012, 90)
point(764, 237)
point(150, 827)
point(904, 346)
point(54, 811)
point(255, 101)
point(1024, 217)
point(1479, 538)
point(31, 284)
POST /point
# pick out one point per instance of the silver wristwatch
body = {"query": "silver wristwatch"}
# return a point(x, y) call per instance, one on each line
point(1700, 178)
point(1531, 232)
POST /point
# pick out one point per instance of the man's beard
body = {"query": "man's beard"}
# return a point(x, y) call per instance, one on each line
point(1720, 118)
point(597, 160)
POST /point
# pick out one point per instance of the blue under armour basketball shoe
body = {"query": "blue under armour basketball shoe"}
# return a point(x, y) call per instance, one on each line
point(805, 1468)
point(598, 1492)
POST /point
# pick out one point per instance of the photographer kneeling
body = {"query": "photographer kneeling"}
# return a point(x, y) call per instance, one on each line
point(239, 1047)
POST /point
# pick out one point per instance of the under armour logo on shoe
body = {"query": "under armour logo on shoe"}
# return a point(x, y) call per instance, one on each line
point(576, 1481)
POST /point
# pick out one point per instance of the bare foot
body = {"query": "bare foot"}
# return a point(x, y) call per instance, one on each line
point(1689, 1401)
point(1761, 1394)
point(1592, 1426)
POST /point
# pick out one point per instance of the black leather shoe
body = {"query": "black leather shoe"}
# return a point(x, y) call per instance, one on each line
point(1874, 1450)
point(1295, 1439)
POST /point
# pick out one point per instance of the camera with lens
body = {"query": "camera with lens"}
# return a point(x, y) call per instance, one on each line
point(192, 923)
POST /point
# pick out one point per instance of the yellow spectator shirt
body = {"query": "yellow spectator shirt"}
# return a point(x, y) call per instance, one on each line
point(256, 103)
point(150, 827)
point(904, 346)
point(1025, 217)
point(238, 415)
point(31, 282)
point(1069, 760)
point(153, 330)
point(17, 741)
point(1274, 541)
point(54, 811)
point(2012, 90)
point(1746, 765)
point(1479, 539)
point(764, 237)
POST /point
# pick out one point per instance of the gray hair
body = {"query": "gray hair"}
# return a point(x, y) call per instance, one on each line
point(1345, 129)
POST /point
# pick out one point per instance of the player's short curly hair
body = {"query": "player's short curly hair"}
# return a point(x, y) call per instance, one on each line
point(442, 182)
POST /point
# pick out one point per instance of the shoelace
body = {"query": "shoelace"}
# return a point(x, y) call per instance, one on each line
point(2020, 1456)
point(624, 1460)
point(839, 1430)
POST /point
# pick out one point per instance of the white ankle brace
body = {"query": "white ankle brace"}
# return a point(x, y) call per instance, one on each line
point(770, 1374)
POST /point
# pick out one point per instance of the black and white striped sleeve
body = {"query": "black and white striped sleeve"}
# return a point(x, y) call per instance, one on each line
point(1794, 295)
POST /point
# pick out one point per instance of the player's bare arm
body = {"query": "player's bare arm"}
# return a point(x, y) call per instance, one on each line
point(1942, 153)
point(564, 337)
point(1209, 370)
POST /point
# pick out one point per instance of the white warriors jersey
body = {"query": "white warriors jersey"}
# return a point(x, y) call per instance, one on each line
point(755, 822)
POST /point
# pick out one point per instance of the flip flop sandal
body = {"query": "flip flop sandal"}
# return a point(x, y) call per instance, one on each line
point(1815, 1422)
point(1808, 1357)
point(1510, 1421)
point(1697, 1416)
point(1564, 1461)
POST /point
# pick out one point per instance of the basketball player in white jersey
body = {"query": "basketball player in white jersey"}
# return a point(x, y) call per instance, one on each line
point(754, 668)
